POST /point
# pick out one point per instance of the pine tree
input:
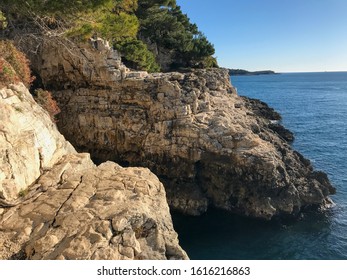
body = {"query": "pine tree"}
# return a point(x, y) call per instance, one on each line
point(163, 23)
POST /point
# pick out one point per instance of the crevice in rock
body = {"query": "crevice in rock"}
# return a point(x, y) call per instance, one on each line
point(41, 159)
point(7, 154)
point(113, 231)
point(4, 133)
point(63, 204)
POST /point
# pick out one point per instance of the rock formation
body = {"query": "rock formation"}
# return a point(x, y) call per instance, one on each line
point(63, 64)
point(29, 142)
point(209, 146)
point(56, 204)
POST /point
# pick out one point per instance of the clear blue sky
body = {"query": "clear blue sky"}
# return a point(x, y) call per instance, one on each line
point(281, 35)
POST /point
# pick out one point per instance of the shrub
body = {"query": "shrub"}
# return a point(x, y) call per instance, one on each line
point(14, 66)
point(7, 73)
point(45, 100)
point(3, 21)
point(136, 55)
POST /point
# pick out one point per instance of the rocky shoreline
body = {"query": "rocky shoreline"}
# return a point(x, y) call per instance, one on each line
point(207, 145)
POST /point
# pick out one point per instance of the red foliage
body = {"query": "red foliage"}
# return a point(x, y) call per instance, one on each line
point(45, 99)
point(7, 74)
point(14, 66)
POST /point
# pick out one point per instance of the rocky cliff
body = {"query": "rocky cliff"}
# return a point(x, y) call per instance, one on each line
point(209, 146)
point(56, 204)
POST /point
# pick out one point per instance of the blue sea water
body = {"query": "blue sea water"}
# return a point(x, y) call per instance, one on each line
point(314, 107)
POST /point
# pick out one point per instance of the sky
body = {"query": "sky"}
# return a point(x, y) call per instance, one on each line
point(279, 35)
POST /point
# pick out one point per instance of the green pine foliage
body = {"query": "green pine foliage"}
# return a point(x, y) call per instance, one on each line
point(134, 27)
point(136, 55)
point(110, 26)
point(113, 19)
point(3, 21)
point(163, 23)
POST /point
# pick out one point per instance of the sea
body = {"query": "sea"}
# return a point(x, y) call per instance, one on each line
point(314, 108)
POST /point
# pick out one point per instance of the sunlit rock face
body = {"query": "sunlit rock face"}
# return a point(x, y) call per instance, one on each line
point(209, 146)
point(57, 204)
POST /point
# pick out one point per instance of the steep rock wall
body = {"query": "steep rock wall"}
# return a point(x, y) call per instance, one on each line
point(29, 142)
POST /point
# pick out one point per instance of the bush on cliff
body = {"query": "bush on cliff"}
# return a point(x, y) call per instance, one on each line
point(136, 55)
point(3, 21)
point(14, 66)
point(7, 74)
point(45, 100)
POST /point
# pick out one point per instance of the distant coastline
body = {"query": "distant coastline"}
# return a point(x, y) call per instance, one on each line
point(241, 72)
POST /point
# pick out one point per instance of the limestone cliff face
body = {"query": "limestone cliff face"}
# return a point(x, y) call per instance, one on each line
point(208, 145)
point(56, 204)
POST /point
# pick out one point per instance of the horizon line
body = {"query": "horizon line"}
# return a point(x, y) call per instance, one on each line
point(285, 71)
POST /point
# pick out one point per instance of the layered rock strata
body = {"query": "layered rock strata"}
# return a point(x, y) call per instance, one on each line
point(56, 204)
point(208, 145)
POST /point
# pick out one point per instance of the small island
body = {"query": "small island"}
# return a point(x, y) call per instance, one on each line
point(241, 72)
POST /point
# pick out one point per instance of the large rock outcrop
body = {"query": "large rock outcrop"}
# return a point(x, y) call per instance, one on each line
point(208, 145)
point(56, 204)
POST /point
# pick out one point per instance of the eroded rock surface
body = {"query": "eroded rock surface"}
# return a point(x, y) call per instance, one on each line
point(61, 63)
point(208, 145)
point(29, 142)
point(104, 212)
point(56, 204)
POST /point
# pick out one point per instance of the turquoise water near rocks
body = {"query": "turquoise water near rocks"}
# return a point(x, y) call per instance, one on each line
point(314, 107)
